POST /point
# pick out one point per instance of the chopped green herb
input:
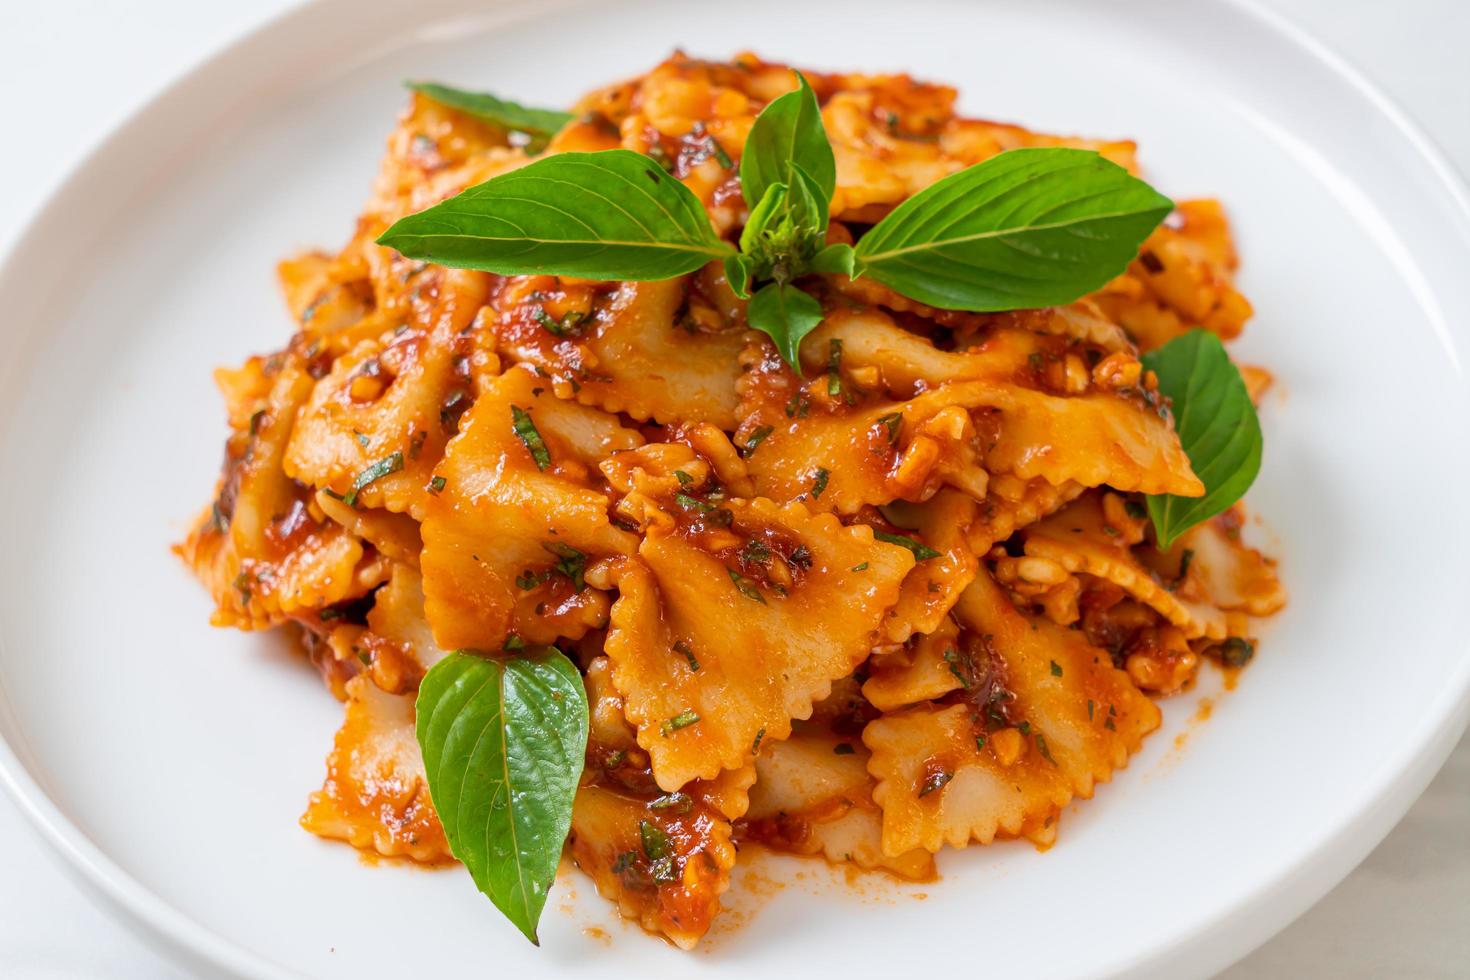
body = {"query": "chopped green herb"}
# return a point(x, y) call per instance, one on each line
point(757, 436)
point(655, 841)
point(624, 861)
point(525, 430)
point(935, 780)
point(681, 647)
point(819, 482)
point(746, 587)
point(921, 551)
point(436, 485)
point(860, 567)
point(893, 421)
point(380, 469)
point(801, 557)
point(683, 719)
point(1110, 726)
point(1025, 727)
point(834, 367)
point(1056, 669)
point(678, 802)
point(569, 562)
point(558, 328)
point(1090, 706)
point(362, 440)
point(1044, 749)
point(513, 641)
point(952, 657)
point(329, 614)
point(693, 503)
point(684, 478)
point(1236, 652)
point(756, 745)
point(528, 580)
point(980, 742)
point(755, 552)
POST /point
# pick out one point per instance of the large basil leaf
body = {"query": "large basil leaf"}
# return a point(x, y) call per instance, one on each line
point(539, 124)
point(788, 130)
point(609, 215)
point(1026, 228)
point(785, 314)
point(1217, 426)
point(503, 743)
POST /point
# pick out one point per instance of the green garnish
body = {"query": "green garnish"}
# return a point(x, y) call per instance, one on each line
point(388, 464)
point(1217, 427)
point(564, 327)
point(935, 780)
point(756, 437)
point(503, 742)
point(655, 841)
point(921, 551)
point(1027, 228)
point(893, 421)
point(678, 802)
point(436, 485)
point(819, 481)
point(1056, 669)
point(834, 367)
point(746, 587)
point(526, 431)
point(537, 125)
point(681, 647)
point(569, 562)
point(1236, 652)
point(683, 719)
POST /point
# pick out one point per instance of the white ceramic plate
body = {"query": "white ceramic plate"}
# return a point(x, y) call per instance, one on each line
point(169, 760)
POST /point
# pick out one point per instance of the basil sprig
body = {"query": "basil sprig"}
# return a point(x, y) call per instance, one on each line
point(1217, 426)
point(503, 742)
point(537, 125)
point(1026, 228)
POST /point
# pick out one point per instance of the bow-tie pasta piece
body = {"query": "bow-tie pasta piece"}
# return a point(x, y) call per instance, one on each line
point(515, 516)
point(733, 620)
point(1041, 717)
point(663, 858)
point(263, 550)
point(376, 796)
point(376, 425)
point(813, 795)
point(667, 351)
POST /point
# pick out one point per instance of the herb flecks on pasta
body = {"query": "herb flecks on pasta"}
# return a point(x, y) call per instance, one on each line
point(746, 504)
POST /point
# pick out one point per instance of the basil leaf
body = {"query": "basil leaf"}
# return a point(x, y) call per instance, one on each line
point(838, 259)
point(1026, 228)
point(785, 314)
point(788, 130)
point(737, 273)
point(1217, 426)
point(539, 124)
point(609, 215)
point(762, 215)
point(503, 742)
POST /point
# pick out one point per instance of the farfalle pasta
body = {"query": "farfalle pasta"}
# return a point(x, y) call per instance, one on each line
point(887, 583)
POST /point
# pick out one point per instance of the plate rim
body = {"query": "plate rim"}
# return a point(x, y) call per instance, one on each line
point(187, 942)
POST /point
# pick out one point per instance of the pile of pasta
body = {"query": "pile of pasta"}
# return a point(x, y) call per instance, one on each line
point(909, 593)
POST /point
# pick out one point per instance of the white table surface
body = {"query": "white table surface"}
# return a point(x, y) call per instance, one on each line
point(69, 69)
